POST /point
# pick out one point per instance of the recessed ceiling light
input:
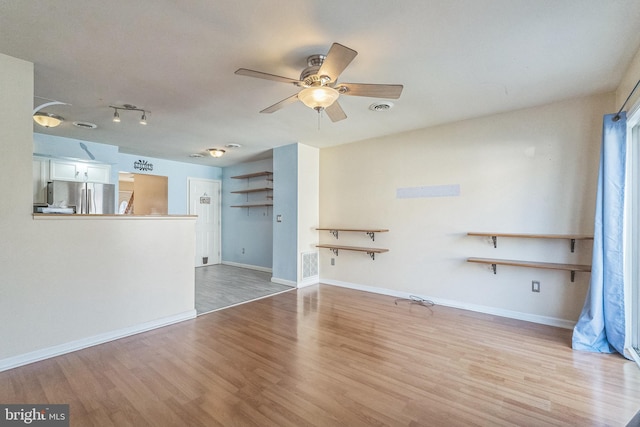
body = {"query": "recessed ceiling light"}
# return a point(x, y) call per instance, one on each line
point(381, 106)
point(233, 145)
point(196, 155)
point(85, 125)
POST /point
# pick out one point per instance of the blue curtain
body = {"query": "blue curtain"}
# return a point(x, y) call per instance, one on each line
point(601, 326)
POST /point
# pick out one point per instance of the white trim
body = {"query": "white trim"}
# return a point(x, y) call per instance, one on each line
point(249, 266)
point(632, 237)
point(57, 350)
point(544, 320)
point(284, 282)
point(310, 281)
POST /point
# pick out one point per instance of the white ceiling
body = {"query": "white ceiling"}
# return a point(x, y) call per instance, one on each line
point(457, 59)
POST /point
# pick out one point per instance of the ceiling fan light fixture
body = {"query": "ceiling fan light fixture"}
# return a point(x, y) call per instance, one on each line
point(116, 116)
point(143, 119)
point(48, 120)
point(216, 152)
point(318, 97)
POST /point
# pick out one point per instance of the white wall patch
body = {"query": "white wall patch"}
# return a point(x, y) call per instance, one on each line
point(452, 190)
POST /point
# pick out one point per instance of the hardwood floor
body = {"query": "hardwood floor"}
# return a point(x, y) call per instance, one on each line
point(327, 356)
point(221, 285)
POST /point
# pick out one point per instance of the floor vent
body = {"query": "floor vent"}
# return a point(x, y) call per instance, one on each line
point(309, 264)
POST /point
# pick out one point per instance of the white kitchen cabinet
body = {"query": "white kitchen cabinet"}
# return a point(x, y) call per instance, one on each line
point(40, 178)
point(65, 170)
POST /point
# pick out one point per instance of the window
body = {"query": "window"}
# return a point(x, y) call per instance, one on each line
point(632, 291)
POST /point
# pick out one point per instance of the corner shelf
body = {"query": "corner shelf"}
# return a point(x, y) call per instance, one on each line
point(371, 232)
point(494, 262)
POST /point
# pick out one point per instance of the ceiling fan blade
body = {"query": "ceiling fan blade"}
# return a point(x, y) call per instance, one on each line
point(372, 90)
point(337, 59)
point(335, 112)
point(280, 105)
point(266, 76)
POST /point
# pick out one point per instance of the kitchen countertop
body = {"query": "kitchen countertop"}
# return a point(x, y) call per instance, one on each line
point(41, 216)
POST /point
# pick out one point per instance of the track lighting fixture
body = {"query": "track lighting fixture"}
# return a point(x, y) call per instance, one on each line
point(128, 107)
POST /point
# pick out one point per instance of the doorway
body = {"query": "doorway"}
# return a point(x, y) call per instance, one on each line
point(204, 201)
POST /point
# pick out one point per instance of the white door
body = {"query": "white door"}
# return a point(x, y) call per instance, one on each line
point(204, 201)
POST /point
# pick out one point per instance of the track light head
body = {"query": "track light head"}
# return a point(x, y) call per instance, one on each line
point(128, 107)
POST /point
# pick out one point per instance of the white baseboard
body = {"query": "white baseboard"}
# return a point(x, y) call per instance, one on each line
point(284, 282)
point(309, 282)
point(46, 353)
point(249, 266)
point(544, 320)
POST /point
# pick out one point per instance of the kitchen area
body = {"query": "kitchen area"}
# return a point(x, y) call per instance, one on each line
point(64, 186)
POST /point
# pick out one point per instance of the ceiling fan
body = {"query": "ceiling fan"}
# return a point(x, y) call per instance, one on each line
point(319, 83)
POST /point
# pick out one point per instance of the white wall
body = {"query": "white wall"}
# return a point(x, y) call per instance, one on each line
point(528, 171)
point(66, 282)
point(629, 80)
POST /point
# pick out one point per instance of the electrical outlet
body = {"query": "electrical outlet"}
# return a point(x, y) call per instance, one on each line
point(242, 251)
point(535, 286)
point(333, 261)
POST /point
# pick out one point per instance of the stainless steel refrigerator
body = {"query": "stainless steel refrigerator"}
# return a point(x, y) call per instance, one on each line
point(86, 197)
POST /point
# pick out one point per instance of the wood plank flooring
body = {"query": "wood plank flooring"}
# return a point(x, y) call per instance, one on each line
point(220, 285)
point(328, 356)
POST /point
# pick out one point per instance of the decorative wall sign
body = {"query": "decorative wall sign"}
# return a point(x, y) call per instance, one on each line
point(142, 165)
point(205, 200)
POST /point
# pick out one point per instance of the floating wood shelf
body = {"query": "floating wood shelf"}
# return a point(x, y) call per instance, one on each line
point(252, 190)
point(253, 175)
point(533, 264)
point(370, 251)
point(257, 205)
point(370, 232)
point(571, 237)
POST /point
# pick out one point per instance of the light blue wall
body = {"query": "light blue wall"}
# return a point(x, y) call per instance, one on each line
point(285, 202)
point(250, 229)
point(177, 172)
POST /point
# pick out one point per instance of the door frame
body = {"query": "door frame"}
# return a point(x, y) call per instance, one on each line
point(218, 207)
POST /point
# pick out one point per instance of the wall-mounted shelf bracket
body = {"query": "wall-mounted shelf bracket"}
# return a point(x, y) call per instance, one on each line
point(571, 237)
point(572, 268)
point(369, 251)
point(334, 232)
point(372, 234)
